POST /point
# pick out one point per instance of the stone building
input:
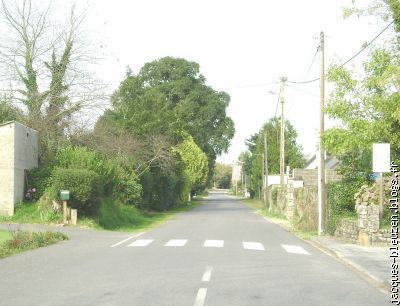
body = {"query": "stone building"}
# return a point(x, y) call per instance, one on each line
point(18, 153)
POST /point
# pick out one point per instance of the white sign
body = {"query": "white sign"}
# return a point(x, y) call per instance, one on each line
point(381, 157)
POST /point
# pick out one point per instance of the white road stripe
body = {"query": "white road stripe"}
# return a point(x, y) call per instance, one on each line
point(213, 244)
point(207, 274)
point(141, 243)
point(201, 297)
point(176, 242)
point(295, 249)
point(253, 246)
point(125, 240)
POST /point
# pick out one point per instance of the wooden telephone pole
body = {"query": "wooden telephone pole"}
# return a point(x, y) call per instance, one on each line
point(282, 146)
point(321, 167)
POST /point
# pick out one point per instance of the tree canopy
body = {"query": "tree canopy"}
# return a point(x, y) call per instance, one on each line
point(169, 96)
point(252, 159)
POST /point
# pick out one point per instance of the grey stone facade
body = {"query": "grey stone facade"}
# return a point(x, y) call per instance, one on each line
point(18, 152)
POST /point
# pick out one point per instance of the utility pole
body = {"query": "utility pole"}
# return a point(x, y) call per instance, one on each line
point(282, 147)
point(263, 179)
point(266, 191)
point(321, 167)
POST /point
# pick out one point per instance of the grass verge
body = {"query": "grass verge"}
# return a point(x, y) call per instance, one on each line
point(4, 236)
point(118, 217)
point(112, 216)
point(276, 218)
point(28, 212)
point(20, 241)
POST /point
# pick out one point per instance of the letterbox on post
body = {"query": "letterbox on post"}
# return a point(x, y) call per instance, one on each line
point(64, 195)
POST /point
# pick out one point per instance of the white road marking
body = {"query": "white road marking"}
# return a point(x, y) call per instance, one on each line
point(141, 243)
point(176, 242)
point(201, 297)
point(295, 249)
point(213, 244)
point(207, 274)
point(125, 240)
point(253, 246)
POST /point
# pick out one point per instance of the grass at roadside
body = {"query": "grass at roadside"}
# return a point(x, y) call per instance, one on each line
point(27, 212)
point(4, 236)
point(111, 216)
point(260, 208)
point(19, 241)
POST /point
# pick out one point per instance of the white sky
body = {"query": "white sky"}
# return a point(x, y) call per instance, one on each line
point(236, 43)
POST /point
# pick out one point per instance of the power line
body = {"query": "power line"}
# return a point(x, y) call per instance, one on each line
point(303, 91)
point(312, 62)
point(252, 85)
point(365, 46)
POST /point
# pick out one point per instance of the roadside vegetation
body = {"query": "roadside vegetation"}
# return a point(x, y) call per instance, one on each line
point(365, 104)
point(152, 149)
point(259, 208)
point(14, 242)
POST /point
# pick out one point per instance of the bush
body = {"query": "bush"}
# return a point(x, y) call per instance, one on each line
point(341, 201)
point(83, 158)
point(118, 181)
point(161, 191)
point(85, 187)
point(127, 187)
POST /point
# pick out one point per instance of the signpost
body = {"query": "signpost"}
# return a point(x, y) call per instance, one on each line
point(381, 164)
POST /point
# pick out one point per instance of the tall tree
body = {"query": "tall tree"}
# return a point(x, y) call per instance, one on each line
point(169, 96)
point(368, 108)
point(253, 165)
point(44, 64)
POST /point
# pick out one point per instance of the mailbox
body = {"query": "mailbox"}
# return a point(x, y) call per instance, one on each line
point(64, 195)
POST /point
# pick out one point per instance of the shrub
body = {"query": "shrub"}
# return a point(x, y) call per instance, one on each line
point(161, 190)
point(341, 201)
point(127, 187)
point(83, 158)
point(84, 185)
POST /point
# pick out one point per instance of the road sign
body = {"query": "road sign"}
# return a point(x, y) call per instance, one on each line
point(381, 157)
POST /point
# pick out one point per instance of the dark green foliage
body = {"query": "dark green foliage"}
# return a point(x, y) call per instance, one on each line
point(341, 203)
point(84, 185)
point(253, 163)
point(222, 176)
point(161, 191)
point(39, 178)
point(119, 181)
point(169, 96)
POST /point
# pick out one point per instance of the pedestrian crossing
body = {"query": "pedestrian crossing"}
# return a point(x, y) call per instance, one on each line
point(209, 243)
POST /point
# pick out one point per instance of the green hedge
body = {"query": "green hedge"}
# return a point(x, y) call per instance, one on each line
point(341, 203)
point(84, 185)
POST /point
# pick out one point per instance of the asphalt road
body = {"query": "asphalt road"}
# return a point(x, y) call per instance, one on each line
point(220, 253)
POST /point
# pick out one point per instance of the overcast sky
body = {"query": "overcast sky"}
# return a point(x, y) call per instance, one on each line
point(238, 44)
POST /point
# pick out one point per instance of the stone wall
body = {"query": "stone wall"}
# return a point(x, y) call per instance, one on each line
point(381, 237)
point(298, 205)
point(306, 200)
point(347, 230)
point(310, 176)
